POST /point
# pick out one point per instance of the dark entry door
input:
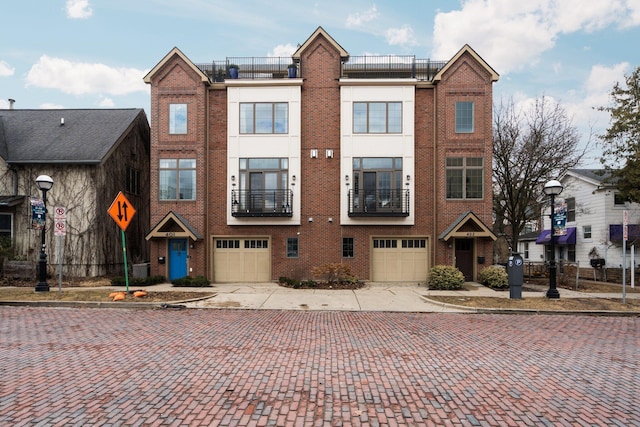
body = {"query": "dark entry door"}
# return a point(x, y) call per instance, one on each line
point(464, 257)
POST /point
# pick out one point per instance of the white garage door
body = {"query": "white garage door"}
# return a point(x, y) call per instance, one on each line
point(241, 260)
point(399, 260)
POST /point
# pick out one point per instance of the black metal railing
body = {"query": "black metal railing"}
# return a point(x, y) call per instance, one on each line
point(264, 203)
point(251, 68)
point(380, 202)
point(390, 67)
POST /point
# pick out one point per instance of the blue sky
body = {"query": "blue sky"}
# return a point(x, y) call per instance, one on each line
point(94, 54)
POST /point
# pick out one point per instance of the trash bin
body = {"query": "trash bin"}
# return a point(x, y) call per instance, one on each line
point(515, 276)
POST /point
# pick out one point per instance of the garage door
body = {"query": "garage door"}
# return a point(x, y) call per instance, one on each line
point(241, 260)
point(399, 260)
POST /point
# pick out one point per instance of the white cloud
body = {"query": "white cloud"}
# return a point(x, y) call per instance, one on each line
point(359, 19)
point(51, 106)
point(510, 35)
point(6, 70)
point(78, 9)
point(400, 36)
point(79, 78)
point(106, 103)
point(282, 50)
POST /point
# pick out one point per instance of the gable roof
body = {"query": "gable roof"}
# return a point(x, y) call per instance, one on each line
point(317, 33)
point(467, 49)
point(80, 136)
point(598, 177)
point(169, 224)
point(461, 228)
point(175, 52)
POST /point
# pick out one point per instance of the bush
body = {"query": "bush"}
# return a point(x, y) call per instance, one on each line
point(137, 281)
point(333, 273)
point(191, 282)
point(445, 277)
point(494, 277)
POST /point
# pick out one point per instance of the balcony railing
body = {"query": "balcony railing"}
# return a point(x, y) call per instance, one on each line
point(358, 67)
point(391, 67)
point(265, 203)
point(249, 68)
point(380, 202)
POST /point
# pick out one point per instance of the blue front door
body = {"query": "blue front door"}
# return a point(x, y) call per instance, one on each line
point(177, 258)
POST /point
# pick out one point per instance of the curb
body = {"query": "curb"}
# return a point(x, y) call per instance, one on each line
point(104, 304)
point(477, 310)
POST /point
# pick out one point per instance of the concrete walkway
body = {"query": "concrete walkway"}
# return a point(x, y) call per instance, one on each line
point(373, 297)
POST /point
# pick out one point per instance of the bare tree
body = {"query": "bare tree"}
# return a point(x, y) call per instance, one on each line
point(530, 147)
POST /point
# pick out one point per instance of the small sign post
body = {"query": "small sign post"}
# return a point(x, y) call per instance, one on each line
point(625, 237)
point(60, 229)
point(122, 212)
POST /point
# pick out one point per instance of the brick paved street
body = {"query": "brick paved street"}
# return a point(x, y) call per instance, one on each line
point(261, 367)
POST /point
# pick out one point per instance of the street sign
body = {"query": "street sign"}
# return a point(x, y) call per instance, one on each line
point(625, 225)
point(60, 227)
point(121, 211)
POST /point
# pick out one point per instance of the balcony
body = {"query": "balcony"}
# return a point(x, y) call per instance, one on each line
point(378, 203)
point(391, 67)
point(249, 68)
point(264, 203)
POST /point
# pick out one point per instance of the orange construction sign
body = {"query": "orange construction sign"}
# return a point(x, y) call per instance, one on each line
point(121, 211)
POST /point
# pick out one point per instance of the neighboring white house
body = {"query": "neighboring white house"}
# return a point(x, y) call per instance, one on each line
point(594, 222)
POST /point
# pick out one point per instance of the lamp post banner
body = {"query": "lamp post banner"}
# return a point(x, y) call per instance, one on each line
point(37, 214)
point(560, 218)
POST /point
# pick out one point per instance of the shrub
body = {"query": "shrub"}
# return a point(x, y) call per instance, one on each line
point(333, 273)
point(494, 277)
point(445, 277)
point(137, 281)
point(194, 282)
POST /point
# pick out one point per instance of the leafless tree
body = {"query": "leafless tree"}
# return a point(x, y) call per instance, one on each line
point(530, 147)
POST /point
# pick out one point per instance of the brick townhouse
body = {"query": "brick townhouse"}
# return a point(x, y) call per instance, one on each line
point(267, 167)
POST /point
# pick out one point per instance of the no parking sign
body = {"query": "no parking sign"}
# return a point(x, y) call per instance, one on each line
point(60, 221)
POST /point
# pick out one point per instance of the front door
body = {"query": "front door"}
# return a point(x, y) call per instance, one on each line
point(177, 258)
point(464, 257)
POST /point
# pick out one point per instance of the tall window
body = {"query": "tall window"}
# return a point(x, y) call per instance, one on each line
point(263, 185)
point(264, 117)
point(377, 182)
point(464, 117)
point(177, 118)
point(177, 179)
point(377, 117)
point(292, 247)
point(464, 177)
point(526, 250)
point(132, 181)
point(347, 247)
point(571, 208)
point(6, 227)
point(586, 231)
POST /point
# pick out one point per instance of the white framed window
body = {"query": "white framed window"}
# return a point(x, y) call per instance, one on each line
point(586, 231)
point(264, 117)
point(377, 117)
point(177, 119)
point(464, 117)
point(177, 179)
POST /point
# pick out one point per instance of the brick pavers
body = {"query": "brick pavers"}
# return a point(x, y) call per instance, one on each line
point(242, 367)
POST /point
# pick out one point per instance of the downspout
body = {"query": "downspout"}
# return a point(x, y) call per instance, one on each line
point(434, 168)
point(15, 180)
point(208, 243)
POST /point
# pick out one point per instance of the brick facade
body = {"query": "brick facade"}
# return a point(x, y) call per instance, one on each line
point(320, 182)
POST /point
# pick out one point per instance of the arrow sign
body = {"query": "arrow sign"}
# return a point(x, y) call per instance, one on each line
point(121, 211)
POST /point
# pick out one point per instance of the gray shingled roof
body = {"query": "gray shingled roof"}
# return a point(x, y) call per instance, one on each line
point(87, 136)
point(594, 174)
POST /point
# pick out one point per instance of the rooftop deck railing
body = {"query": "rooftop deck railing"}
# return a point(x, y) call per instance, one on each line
point(359, 67)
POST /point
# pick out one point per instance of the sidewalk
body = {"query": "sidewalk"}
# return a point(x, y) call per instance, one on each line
point(373, 297)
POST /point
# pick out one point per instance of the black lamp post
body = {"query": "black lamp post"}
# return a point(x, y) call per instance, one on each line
point(44, 183)
point(552, 188)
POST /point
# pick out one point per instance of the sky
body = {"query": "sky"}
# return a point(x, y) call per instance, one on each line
point(95, 53)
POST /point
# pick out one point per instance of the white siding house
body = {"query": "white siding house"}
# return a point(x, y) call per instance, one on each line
point(594, 221)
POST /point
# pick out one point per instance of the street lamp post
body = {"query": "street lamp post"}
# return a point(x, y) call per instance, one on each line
point(552, 188)
point(44, 183)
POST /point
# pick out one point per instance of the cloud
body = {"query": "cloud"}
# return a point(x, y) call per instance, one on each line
point(400, 36)
point(510, 35)
point(78, 9)
point(51, 106)
point(107, 103)
point(6, 70)
point(79, 78)
point(282, 50)
point(359, 19)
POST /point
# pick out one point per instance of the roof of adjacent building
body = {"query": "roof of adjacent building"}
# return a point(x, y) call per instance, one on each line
point(82, 136)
